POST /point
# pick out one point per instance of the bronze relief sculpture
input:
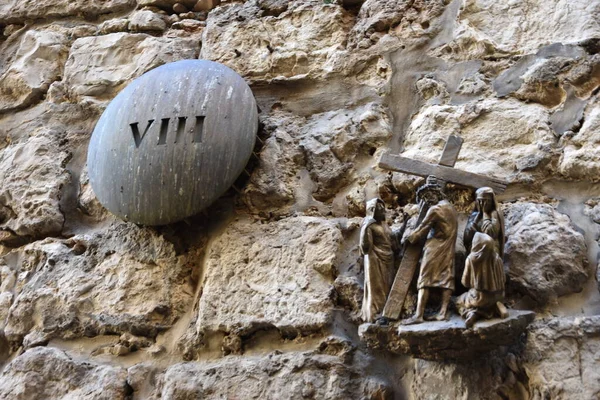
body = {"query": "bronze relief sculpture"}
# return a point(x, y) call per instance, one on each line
point(431, 249)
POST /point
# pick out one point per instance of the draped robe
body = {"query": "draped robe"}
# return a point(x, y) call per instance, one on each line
point(437, 265)
point(376, 243)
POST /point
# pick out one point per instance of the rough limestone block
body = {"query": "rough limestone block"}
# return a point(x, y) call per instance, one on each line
point(276, 275)
point(145, 20)
point(100, 66)
point(581, 155)
point(545, 256)
point(525, 26)
point(38, 62)
point(275, 376)
point(561, 358)
point(486, 378)
point(48, 373)
point(334, 141)
point(329, 145)
point(32, 174)
point(502, 138)
point(297, 43)
point(121, 279)
point(401, 18)
point(14, 11)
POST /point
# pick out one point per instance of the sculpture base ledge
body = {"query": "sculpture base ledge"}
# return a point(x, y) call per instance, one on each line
point(447, 340)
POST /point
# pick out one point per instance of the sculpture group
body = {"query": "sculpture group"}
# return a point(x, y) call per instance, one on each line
point(431, 247)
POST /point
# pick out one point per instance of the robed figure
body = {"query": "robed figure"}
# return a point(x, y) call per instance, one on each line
point(440, 227)
point(484, 270)
point(378, 243)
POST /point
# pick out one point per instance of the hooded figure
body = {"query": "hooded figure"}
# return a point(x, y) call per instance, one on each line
point(484, 269)
point(377, 244)
point(486, 218)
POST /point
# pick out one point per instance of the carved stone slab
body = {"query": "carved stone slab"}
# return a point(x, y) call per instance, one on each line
point(447, 340)
point(172, 142)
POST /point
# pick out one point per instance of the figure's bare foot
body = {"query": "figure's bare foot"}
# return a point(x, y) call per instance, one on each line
point(471, 319)
point(413, 321)
point(442, 317)
point(502, 310)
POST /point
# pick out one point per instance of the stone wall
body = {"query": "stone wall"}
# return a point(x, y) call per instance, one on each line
point(258, 297)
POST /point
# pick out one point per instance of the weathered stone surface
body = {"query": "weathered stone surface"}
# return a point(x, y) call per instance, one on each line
point(334, 141)
point(561, 358)
point(12, 29)
point(179, 8)
point(114, 26)
point(37, 63)
point(511, 27)
point(116, 280)
point(276, 376)
point(269, 276)
point(145, 20)
point(295, 44)
point(349, 291)
point(45, 373)
point(87, 201)
point(189, 25)
point(75, 120)
point(545, 254)
point(541, 82)
point(486, 378)
point(585, 76)
point(274, 181)
point(166, 5)
point(581, 154)
point(126, 344)
point(206, 5)
point(100, 66)
point(447, 340)
point(400, 18)
point(557, 75)
point(592, 209)
point(14, 11)
point(468, 44)
point(32, 174)
point(332, 146)
point(273, 7)
point(505, 139)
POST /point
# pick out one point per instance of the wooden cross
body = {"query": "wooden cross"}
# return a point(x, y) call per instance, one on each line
point(443, 170)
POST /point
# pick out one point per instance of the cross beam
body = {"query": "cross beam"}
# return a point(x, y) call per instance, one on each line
point(447, 173)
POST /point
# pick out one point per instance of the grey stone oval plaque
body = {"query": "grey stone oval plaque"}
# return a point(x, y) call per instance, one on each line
point(172, 142)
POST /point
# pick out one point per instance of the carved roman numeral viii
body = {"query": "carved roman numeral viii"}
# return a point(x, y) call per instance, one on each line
point(196, 130)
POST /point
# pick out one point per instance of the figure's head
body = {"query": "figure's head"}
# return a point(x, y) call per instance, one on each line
point(376, 209)
point(482, 243)
point(486, 199)
point(431, 193)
